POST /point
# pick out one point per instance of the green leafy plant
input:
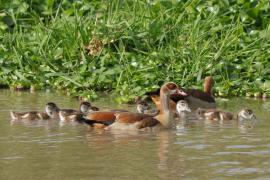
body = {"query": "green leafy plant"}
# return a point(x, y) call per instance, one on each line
point(132, 47)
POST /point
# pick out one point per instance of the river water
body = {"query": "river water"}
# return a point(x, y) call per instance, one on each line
point(196, 150)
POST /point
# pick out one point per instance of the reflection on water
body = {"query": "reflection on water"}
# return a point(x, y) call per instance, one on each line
point(196, 149)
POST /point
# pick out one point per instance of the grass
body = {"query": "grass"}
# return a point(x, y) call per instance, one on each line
point(131, 47)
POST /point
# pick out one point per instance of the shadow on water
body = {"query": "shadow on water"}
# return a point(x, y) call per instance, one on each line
point(196, 149)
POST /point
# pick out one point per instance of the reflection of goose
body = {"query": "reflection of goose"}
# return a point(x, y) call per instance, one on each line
point(163, 149)
point(130, 120)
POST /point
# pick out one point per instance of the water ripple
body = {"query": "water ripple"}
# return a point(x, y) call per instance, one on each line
point(240, 147)
point(248, 153)
point(184, 142)
point(12, 157)
point(199, 146)
point(225, 163)
point(238, 171)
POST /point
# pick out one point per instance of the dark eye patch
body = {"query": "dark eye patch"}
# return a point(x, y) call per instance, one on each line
point(86, 103)
point(171, 86)
point(249, 111)
point(51, 104)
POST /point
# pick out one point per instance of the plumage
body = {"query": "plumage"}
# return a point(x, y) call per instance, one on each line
point(101, 116)
point(130, 117)
point(246, 119)
point(100, 119)
point(246, 114)
point(138, 120)
point(195, 97)
point(147, 122)
point(156, 100)
point(200, 95)
point(127, 120)
point(141, 105)
point(213, 114)
point(182, 108)
point(76, 115)
point(198, 98)
point(50, 110)
point(30, 115)
point(118, 110)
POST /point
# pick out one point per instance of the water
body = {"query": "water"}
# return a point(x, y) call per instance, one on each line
point(198, 150)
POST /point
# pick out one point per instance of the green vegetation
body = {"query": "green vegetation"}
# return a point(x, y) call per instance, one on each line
point(133, 46)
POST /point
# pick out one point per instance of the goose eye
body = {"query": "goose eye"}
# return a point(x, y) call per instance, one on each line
point(172, 86)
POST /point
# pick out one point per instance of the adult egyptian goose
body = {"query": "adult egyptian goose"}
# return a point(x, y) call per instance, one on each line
point(195, 98)
point(127, 120)
point(50, 110)
point(156, 100)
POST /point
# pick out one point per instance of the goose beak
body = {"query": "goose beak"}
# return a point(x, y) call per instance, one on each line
point(181, 92)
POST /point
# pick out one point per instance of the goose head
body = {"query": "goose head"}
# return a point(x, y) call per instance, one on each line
point(172, 88)
point(85, 107)
point(182, 106)
point(51, 109)
point(246, 114)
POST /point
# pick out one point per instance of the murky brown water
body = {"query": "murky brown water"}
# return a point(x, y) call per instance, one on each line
point(198, 150)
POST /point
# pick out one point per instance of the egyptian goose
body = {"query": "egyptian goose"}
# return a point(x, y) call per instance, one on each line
point(141, 105)
point(246, 119)
point(50, 110)
point(195, 98)
point(213, 114)
point(124, 120)
point(156, 100)
point(182, 108)
point(246, 114)
point(76, 115)
point(164, 118)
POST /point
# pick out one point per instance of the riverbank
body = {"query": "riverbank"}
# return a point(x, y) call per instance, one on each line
point(133, 47)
